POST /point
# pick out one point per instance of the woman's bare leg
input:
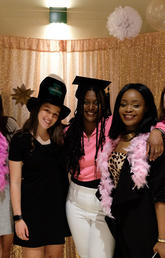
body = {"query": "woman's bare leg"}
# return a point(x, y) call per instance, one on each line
point(0, 247)
point(6, 244)
point(54, 251)
point(37, 252)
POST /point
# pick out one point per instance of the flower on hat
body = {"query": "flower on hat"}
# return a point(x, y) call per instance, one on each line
point(124, 23)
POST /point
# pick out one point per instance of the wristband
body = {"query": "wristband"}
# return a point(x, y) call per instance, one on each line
point(17, 217)
point(162, 131)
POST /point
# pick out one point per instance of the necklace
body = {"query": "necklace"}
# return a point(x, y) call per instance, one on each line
point(128, 137)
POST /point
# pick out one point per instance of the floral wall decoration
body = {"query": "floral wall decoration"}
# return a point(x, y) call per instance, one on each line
point(124, 22)
point(21, 94)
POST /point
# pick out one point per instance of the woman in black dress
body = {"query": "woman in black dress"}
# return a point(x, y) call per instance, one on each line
point(132, 188)
point(39, 183)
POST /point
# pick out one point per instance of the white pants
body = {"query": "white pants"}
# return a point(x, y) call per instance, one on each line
point(89, 230)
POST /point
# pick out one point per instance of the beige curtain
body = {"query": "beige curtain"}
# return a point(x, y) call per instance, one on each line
point(27, 61)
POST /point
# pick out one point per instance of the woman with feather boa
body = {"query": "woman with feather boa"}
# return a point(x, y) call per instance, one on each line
point(132, 188)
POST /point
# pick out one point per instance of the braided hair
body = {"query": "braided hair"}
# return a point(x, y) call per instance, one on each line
point(74, 139)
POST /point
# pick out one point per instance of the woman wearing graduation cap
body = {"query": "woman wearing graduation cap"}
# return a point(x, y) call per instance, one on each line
point(84, 139)
point(38, 182)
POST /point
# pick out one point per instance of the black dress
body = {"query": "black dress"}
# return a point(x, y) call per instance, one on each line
point(135, 225)
point(43, 190)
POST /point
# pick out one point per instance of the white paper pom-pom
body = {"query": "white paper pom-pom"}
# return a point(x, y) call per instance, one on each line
point(124, 23)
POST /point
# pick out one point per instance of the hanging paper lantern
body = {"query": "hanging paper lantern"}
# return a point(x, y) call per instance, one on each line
point(155, 14)
point(124, 23)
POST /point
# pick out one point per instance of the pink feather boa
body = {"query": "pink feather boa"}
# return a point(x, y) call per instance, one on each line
point(137, 158)
point(4, 170)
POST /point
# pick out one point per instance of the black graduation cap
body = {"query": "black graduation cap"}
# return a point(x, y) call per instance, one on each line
point(85, 82)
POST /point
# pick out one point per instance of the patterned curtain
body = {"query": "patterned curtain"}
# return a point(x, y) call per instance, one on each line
point(28, 61)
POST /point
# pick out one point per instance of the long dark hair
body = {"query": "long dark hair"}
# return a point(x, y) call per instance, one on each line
point(74, 140)
point(55, 132)
point(4, 129)
point(161, 106)
point(149, 118)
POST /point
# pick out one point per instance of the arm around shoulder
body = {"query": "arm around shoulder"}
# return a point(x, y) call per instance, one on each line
point(155, 144)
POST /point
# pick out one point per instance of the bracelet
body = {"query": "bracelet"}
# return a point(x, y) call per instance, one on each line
point(161, 240)
point(162, 131)
point(17, 217)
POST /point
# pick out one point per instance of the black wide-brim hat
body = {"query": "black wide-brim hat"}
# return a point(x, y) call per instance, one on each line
point(52, 90)
point(85, 82)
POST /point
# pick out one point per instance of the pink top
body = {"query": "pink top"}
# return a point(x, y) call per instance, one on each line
point(161, 125)
point(87, 162)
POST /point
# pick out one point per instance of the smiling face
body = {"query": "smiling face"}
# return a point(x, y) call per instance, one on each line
point(91, 106)
point(132, 109)
point(48, 115)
